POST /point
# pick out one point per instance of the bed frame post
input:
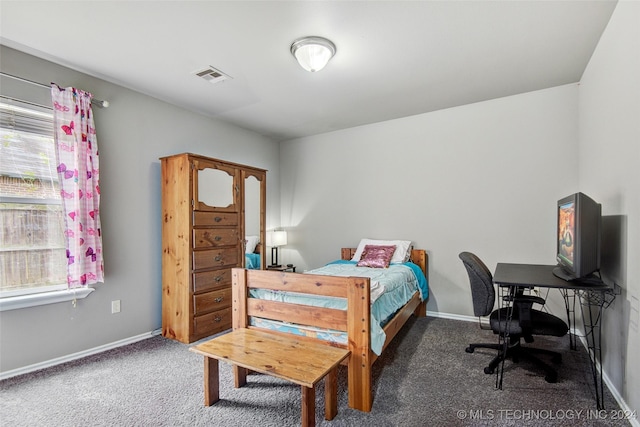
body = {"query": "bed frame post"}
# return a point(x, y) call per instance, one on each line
point(421, 258)
point(239, 315)
point(347, 253)
point(239, 298)
point(358, 329)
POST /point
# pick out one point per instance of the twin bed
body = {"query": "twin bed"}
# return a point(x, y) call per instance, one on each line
point(342, 304)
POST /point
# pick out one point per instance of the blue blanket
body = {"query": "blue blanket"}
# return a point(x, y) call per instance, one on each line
point(422, 280)
point(252, 261)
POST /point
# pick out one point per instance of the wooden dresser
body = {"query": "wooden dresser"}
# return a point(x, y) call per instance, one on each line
point(203, 235)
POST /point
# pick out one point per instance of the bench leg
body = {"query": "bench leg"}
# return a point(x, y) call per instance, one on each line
point(308, 406)
point(211, 381)
point(331, 394)
point(240, 375)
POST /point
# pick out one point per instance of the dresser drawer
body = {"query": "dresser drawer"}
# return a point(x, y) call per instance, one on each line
point(212, 323)
point(214, 237)
point(211, 280)
point(211, 301)
point(215, 258)
point(207, 219)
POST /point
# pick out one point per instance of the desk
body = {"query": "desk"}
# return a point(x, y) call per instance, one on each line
point(594, 295)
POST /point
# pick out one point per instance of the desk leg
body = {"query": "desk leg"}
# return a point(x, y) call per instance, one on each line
point(570, 306)
point(593, 302)
point(211, 381)
point(504, 291)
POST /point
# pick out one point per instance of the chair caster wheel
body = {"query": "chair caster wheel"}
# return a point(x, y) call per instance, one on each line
point(488, 370)
point(469, 349)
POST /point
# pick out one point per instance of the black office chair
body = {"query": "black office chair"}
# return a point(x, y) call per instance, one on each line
point(526, 322)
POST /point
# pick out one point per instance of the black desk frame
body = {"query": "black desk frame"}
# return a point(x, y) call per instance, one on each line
point(593, 294)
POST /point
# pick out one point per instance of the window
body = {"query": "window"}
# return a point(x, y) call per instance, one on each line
point(32, 244)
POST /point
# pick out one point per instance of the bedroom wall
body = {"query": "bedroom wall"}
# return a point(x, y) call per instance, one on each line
point(609, 129)
point(483, 177)
point(132, 134)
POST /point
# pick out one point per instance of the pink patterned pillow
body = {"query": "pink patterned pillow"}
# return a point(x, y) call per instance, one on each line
point(376, 256)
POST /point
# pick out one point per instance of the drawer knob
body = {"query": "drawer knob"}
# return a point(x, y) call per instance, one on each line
point(217, 319)
point(217, 238)
point(218, 278)
point(218, 219)
point(218, 258)
point(219, 299)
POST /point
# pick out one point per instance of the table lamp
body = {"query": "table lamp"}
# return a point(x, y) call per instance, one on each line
point(277, 238)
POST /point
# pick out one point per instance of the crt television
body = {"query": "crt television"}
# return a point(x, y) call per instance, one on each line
point(578, 237)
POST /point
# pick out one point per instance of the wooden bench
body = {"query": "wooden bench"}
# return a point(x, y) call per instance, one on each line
point(282, 356)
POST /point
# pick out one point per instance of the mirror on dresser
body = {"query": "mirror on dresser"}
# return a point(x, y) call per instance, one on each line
point(253, 212)
point(215, 187)
point(209, 207)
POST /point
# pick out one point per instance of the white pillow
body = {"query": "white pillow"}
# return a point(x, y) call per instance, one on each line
point(401, 254)
point(251, 243)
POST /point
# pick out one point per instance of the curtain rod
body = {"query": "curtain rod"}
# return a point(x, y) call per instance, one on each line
point(100, 103)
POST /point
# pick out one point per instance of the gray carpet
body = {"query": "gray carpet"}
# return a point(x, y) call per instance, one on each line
point(425, 378)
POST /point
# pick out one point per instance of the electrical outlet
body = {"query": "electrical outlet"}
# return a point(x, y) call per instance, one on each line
point(115, 306)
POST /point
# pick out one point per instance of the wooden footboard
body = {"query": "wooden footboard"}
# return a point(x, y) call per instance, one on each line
point(355, 321)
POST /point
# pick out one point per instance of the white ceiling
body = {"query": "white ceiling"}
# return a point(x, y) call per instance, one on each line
point(394, 58)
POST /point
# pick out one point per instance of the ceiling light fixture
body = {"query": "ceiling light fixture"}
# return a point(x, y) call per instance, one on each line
point(313, 52)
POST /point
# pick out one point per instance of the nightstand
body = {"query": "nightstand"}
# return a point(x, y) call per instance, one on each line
point(289, 267)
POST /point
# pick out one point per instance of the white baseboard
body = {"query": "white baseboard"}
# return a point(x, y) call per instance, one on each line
point(452, 316)
point(78, 355)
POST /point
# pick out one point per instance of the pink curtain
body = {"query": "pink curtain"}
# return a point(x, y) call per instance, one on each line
point(78, 174)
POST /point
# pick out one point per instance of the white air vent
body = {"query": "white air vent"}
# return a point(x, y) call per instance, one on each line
point(212, 75)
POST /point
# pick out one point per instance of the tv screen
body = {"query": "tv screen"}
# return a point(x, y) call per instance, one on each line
point(566, 231)
point(578, 237)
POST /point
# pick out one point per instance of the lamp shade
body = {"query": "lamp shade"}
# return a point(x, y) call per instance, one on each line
point(313, 52)
point(278, 238)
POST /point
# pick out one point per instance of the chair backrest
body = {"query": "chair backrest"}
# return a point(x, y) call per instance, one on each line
point(483, 293)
